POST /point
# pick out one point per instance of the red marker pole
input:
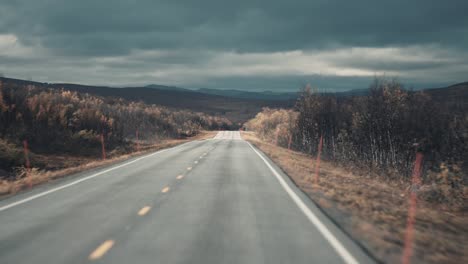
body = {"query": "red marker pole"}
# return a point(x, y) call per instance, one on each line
point(28, 164)
point(317, 163)
point(103, 147)
point(409, 234)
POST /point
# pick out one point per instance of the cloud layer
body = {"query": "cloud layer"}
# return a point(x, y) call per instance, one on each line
point(255, 45)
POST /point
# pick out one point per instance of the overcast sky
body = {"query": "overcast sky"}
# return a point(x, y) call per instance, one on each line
point(235, 44)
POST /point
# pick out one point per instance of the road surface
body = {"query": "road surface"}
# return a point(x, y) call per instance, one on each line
point(211, 201)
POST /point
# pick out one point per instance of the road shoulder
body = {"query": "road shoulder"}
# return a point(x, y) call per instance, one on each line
point(373, 212)
point(348, 249)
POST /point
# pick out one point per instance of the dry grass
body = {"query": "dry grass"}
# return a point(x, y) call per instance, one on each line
point(70, 165)
point(374, 212)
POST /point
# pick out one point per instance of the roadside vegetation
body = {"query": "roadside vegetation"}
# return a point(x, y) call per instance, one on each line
point(60, 126)
point(369, 148)
point(379, 133)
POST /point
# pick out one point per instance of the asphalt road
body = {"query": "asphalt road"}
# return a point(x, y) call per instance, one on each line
point(211, 201)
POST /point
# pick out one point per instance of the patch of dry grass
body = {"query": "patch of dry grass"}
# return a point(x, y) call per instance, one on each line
point(374, 211)
point(70, 165)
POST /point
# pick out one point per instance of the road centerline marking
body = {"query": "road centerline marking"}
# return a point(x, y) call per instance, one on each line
point(180, 177)
point(189, 168)
point(165, 189)
point(327, 234)
point(101, 250)
point(144, 210)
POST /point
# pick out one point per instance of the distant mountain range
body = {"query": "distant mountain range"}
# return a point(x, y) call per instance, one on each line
point(265, 95)
point(262, 95)
point(236, 105)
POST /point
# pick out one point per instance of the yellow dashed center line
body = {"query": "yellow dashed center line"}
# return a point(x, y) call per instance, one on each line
point(144, 210)
point(165, 190)
point(189, 168)
point(101, 250)
point(180, 177)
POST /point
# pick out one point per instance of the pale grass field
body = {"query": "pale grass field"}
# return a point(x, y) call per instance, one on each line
point(36, 177)
point(374, 211)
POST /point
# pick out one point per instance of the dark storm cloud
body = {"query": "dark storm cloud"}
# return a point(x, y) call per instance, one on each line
point(115, 27)
point(193, 32)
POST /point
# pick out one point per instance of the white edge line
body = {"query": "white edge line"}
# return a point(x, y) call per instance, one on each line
point(337, 246)
point(3, 208)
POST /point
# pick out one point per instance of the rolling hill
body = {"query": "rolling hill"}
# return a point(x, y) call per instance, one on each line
point(265, 95)
point(236, 109)
point(456, 94)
